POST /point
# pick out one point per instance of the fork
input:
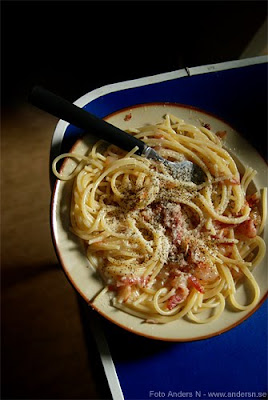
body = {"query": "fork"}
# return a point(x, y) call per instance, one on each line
point(69, 112)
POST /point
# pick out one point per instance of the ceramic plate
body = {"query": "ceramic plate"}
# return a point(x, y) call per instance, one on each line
point(71, 250)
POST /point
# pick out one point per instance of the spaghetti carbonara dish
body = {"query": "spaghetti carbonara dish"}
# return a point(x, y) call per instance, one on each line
point(167, 248)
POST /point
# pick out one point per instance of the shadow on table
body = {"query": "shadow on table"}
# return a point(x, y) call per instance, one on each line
point(130, 344)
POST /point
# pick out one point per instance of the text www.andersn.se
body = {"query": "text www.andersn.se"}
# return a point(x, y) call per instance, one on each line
point(237, 395)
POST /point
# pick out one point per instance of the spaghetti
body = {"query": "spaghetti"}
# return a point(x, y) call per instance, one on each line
point(167, 248)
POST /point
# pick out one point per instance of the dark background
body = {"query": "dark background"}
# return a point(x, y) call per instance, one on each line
point(47, 350)
point(75, 46)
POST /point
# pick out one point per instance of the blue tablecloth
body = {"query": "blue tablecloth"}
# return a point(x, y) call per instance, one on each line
point(231, 365)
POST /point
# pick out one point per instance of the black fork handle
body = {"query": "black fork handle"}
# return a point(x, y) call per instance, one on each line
point(63, 109)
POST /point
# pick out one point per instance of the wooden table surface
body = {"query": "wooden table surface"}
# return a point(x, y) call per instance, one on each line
point(47, 352)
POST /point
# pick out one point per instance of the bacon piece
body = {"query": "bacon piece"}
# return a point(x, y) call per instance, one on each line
point(253, 200)
point(177, 298)
point(174, 220)
point(172, 215)
point(132, 280)
point(206, 125)
point(247, 228)
point(123, 286)
point(128, 117)
point(127, 280)
point(221, 134)
point(193, 281)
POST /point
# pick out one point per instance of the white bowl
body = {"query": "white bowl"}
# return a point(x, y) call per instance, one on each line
point(71, 250)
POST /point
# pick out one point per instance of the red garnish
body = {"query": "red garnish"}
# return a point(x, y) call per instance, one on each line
point(177, 298)
point(193, 281)
point(247, 228)
point(253, 200)
point(128, 117)
point(221, 134)
point(205, 125)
